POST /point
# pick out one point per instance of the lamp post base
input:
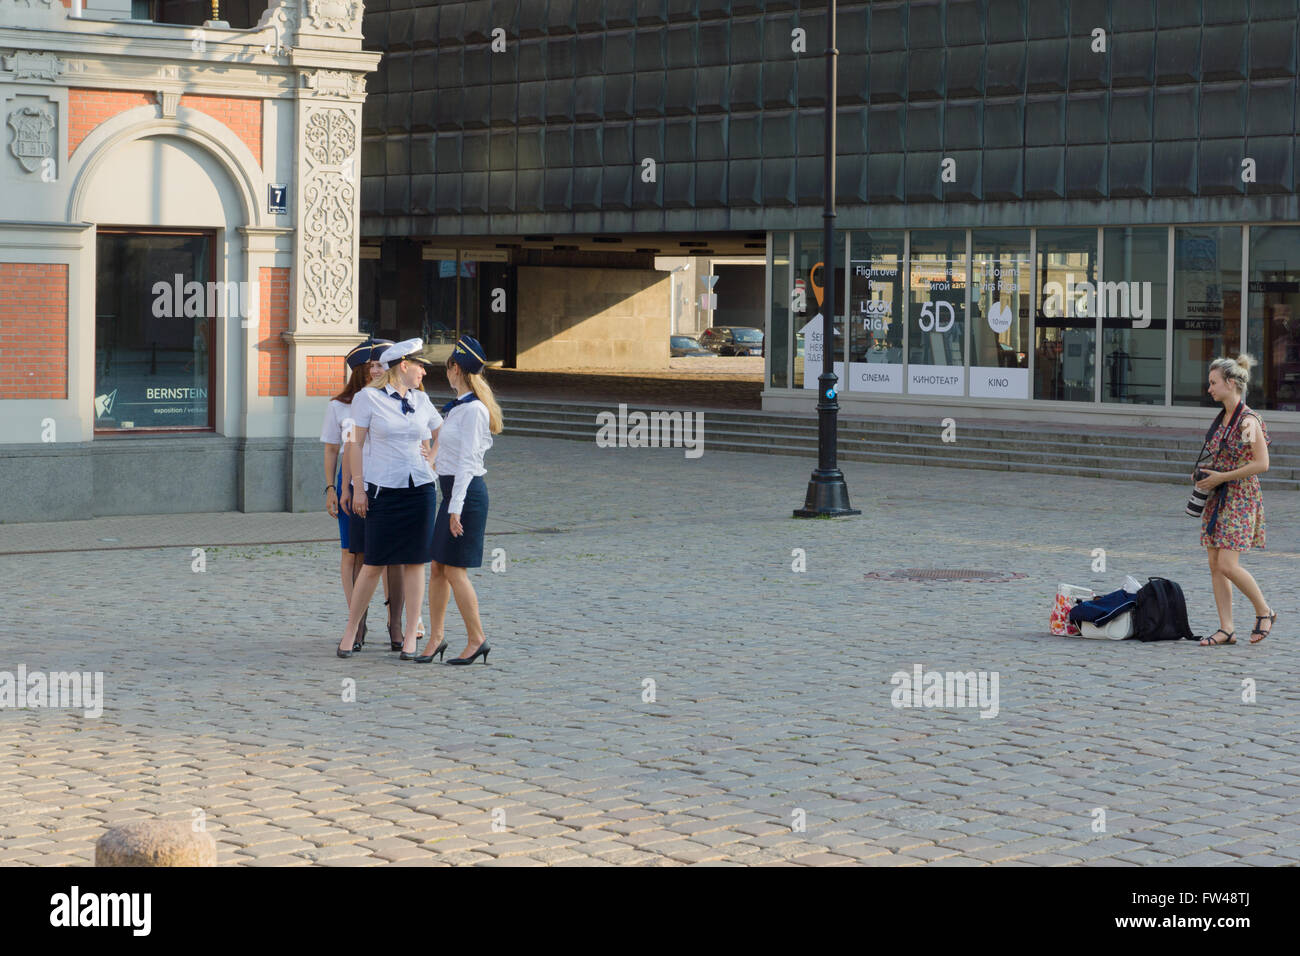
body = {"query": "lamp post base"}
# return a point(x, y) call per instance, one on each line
point(828, 497)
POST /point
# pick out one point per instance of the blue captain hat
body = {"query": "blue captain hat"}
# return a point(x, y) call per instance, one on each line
point(367, 351)
point(468, 354)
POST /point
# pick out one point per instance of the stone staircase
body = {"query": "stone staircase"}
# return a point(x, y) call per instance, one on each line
point(1163, 455)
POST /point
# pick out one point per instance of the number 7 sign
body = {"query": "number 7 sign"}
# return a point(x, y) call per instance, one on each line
point(277, 198)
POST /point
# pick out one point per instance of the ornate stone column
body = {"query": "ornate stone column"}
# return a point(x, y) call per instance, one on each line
point(324, 37)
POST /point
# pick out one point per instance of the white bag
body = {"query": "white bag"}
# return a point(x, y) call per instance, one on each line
point(1066, 595)
point(1116, 629)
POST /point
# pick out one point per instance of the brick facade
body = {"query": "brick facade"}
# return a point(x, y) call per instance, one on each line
point(243, 116)
point(33, 330)
point(325, 375)
point(272, 321)
point(88, 108)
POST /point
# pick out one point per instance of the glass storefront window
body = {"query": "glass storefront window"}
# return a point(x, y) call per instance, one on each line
point(1273, 319)
point(440, 300)
point(1078, 291)
point(155, 321)
point(369, 282)
point(1066, 322)
point(438, 307)
point(778, 339)
point(469, 299)
point(1000, 313)
point(810, 277)
point(936, 313)
point(1207, 305)
point(875, 312)
point(1132, 299)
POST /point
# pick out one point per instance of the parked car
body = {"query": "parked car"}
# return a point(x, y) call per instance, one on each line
point(733, 340)
point(684, 345)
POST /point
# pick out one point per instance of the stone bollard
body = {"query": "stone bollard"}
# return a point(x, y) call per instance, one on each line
point(155, 843)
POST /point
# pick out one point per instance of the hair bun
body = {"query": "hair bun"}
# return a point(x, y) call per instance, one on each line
point(1247, 362)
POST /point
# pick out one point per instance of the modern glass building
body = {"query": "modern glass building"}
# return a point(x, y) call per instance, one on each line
point(1064, 208)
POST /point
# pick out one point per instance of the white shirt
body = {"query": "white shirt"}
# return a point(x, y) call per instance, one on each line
point(331, 432)
point(391, 457)
point(464, 439)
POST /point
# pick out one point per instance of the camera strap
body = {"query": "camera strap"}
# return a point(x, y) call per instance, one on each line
point(1208, 435)
point(1221, 491)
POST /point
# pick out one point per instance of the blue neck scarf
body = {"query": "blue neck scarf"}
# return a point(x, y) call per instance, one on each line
point(407, 407)
point(471, 397)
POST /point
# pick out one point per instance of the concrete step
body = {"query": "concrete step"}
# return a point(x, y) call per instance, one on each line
point(1044, 446)
point(578, 412)
point(956, 455)
point(861, 427)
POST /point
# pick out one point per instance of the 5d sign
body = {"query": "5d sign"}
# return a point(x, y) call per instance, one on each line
point(937, 316)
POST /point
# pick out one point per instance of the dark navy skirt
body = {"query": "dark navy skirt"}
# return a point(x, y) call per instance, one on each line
point(356, 534)
point(399, 524)
point(467, 550)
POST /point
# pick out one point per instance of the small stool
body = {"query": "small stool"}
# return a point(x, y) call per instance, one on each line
point(155, 843)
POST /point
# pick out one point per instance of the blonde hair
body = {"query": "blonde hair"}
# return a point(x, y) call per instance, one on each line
point(483, 392)
point(1236, 371)
point(390, 374)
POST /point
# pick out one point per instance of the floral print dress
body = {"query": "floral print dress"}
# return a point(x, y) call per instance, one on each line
point(1240, 525)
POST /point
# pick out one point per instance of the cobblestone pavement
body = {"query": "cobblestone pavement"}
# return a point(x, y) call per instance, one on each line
point(770, 735)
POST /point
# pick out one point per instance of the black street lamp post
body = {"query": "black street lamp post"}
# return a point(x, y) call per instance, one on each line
point(828, 495)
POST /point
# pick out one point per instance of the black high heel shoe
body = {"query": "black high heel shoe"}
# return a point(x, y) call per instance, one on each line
point(356, 646)
point(482, 651)
point(361, 635)
point(393, 645)
point(405, 656)
point(427, 658)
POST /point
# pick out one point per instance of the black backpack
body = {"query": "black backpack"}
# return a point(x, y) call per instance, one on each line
point(1161, 612)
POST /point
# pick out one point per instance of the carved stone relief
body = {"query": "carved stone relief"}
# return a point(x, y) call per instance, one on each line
point(329, 215)
point(282, 20)
point(168, 100)
point(334, 83)
point(26, 65)
point(33, 136)
point(334, 14)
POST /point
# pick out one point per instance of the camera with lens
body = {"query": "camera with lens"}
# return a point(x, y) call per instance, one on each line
point(1196, 503)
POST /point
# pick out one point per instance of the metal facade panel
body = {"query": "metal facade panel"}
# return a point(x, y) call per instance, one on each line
point(715, 93)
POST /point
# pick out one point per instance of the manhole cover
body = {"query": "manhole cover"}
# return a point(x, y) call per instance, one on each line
point(945, 574)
